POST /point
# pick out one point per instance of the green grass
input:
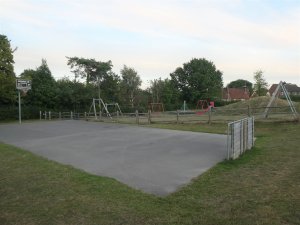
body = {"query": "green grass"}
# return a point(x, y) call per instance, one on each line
point(262, 187)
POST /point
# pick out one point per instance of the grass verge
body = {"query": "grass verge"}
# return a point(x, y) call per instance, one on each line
point(262, 187)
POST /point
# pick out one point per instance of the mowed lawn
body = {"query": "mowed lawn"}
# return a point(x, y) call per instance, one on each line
point(262, 187)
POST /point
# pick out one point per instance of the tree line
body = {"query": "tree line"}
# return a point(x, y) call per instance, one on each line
point(197, 79)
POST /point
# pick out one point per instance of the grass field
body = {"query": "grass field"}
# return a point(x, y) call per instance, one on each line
point(262, 187)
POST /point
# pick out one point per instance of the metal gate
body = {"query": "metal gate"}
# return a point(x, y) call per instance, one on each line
point(240, 137)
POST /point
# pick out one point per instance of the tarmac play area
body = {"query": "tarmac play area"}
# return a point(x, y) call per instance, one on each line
point(156, 161)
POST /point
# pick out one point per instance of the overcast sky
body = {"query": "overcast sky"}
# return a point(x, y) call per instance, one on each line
point(155, 37)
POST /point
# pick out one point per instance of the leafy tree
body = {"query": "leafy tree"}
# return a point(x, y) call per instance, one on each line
point(44, 91)
point(260, 85)
point(73, 95)
point(163, 91)
point(90, 69)
point(198, 79)
point(110, 87)
point(156, 90)
point(240, 83)
point(130, 83)
point(7, 75)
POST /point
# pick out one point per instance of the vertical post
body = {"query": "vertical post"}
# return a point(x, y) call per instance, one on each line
point(20, 119)
point(45, 115)
point(137, 116)
point(149, 116)
point(59, 115)
point(85, 115)
point(184, 102)
point(71, 115)
point(209, 115)
point(40, 115)
point(117, 115)
point(228, 141)
point(94, 105)
point(177, 116)
point(49, 115)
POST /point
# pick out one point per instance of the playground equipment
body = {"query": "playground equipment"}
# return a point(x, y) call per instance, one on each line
point(275, 95)
point(184, 106)
point(100, 104)
point(156, 107)
point(204, 106)
point(114, 107)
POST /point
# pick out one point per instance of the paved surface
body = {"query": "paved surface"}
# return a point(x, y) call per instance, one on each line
point(153, 160)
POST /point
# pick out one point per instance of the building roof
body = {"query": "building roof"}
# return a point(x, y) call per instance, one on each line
point(235, 93)
point(289, 87)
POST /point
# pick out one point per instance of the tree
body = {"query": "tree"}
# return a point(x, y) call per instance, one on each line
point(110, 87)
point(90, 69)
point(198, 79)
point(163, 91)
point(156, 90)
point(7, 75)
point(130, 83)
point(260, 85)
point(44, 91)
point(240, 83)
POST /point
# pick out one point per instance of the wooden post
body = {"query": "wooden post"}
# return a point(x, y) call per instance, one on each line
point(49, 115)
point(177, 116)
point(209, 115)
point(248, 111)
point(149, 116)
point(40, 115)
point(137, 116)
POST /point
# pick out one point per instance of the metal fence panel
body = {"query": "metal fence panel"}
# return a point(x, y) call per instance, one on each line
point(240, 137)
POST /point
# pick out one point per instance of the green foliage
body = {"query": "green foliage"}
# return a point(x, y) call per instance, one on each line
point(73, 95)
point(240, 83)
point(90, 69)
point(130, 84)
point(6, 57)
point(44, 92)
point(260, 85)
point(7, 75)
point(198, 79)
point(164, 91)
point(295, 98)
point(8, 92)
point(110, 87)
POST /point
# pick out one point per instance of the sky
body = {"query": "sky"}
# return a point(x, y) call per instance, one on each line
point(155, 37)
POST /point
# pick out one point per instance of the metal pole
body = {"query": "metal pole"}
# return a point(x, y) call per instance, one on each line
point(20, 119)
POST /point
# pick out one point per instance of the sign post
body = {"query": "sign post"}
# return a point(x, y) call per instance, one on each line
point(22, 85)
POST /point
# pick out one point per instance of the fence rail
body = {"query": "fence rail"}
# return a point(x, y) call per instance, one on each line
point(212, 115)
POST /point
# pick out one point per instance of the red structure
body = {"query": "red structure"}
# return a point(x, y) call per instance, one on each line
point(204, 106)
